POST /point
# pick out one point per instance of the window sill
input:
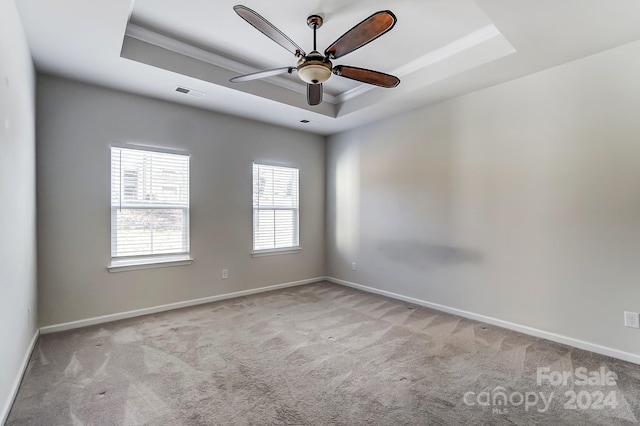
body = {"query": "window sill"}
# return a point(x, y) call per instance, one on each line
point(275, 252)
point(122, 265)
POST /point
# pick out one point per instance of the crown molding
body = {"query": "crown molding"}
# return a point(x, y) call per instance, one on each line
point(166, 42)
point(455, 47)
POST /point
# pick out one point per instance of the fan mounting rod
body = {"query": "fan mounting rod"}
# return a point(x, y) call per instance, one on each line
point(314, 22)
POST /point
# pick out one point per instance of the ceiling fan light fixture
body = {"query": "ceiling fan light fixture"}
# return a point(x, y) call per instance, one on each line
point(314, 68)
point(314, 73)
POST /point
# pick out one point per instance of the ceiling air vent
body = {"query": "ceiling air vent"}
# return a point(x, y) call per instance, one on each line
point(190, 92)
point(309, 122)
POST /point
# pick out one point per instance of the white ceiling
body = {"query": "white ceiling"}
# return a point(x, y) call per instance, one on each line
point(438, 48)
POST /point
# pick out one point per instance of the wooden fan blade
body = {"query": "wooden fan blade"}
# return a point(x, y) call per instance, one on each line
point(268, 29)
point(314, 94)
point(365, 32)
point(261, 74)
point(376, 78)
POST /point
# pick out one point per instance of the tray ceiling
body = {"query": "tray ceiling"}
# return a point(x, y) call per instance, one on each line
point(439, 49)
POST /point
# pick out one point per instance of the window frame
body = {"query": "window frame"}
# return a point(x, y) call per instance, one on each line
point(147, 261)
point(279, 250)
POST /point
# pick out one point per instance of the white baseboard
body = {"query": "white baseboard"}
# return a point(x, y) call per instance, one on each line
point(155, 309)
point(4, 414)
point(569, 341)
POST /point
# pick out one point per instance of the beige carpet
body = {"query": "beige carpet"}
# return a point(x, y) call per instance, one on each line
point(319, 354)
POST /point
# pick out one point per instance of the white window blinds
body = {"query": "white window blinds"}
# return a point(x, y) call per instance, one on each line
point(275, 207)
point(149, 203)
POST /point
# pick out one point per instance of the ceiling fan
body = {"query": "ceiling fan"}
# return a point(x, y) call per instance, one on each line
point(315, 68)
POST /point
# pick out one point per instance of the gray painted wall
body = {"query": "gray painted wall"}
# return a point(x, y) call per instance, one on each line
point(519, 202)
point(18, 195)
point(76, 125)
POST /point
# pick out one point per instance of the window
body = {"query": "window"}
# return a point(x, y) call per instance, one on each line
point(275, 208)
point(149, 207)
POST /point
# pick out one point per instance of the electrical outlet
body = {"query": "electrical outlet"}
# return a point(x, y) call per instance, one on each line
point(353, 266)
point(225, 274)
point(631, 319)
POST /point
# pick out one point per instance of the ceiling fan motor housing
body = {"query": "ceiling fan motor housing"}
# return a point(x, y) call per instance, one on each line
point(314, 68)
